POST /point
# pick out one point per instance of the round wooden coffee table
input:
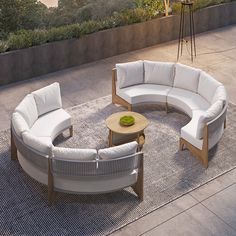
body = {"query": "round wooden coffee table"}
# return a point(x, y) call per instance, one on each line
point(119, 134)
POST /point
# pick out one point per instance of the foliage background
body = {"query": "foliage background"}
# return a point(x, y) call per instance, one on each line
point(26, 23)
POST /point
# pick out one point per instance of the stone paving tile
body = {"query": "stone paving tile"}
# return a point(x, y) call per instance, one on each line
point(231, 93)
point(157, 217)
point(196, 221)
point(66, 102)
point(214, 186)
point(126, 57)
point(230, 31)
point(4, 119)
point(230, 53)
point(227, 67)
point(223, 205)
point(10, 96)
point(155, 55)
point(215, 42)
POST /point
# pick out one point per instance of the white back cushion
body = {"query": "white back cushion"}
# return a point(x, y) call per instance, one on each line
point(48, 98)
point(161, 73)
point(19, 123)
point(28, 109)
point(40, 144)
point(186, 77)
point(212, 112)
point(129, 73)
point(74, 153)
point(220, 94)
point(118, 151)
point(207, 86)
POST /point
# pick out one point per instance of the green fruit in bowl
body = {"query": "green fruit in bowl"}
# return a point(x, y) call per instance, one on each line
point(127, 120)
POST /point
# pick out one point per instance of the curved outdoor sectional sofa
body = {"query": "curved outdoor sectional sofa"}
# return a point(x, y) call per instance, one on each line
point(38, 120)
point(191, 90)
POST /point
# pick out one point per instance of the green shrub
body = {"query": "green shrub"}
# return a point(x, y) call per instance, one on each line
point(29, 38)
point(63, 32)
point(129, 16)
point(153, 7)
point(89, 27)
point(38, 37)
point(84, 13)
point(198, 4)
point(105, 8)
point(3, 46)
point(20, 39)
point(109, 23)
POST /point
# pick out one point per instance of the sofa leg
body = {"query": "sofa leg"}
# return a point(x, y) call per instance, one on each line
point(204, 158)
point(202, 155)
point(138, 186)
point(51, 192)
point(166, 107)
point(181, 144)
point(71, 131)
point(51, 197)
point(129, 107)
point(13, 148)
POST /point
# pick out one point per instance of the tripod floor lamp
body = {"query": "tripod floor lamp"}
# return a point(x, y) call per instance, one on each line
point(186, 11)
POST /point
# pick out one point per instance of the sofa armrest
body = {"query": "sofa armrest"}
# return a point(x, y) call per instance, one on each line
point(219, 120)
point(114, 80)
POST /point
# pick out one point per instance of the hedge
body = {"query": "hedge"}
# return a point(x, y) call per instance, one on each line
point(28, 38)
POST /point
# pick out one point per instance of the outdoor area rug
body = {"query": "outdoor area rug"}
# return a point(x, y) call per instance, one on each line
point(168, 174)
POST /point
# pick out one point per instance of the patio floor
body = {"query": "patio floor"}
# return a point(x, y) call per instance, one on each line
point(208, 210)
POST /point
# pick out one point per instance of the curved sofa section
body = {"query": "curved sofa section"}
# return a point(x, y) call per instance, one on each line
point(191, 90)
point(38, 120)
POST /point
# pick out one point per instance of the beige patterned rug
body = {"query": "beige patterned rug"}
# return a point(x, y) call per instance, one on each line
point(169, 173)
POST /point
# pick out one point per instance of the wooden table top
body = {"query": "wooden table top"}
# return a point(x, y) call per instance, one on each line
point(113, 123)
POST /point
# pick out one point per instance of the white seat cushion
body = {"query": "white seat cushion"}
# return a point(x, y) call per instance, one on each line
point(28, 109)
point(51, 124)
point(186, 77)
point(193, 131)
point(74, 153)
point(130, 73)
point(144, 93)
point(189, 131)
point(118, 151)
point(19, 123)
point(48, 98)
point(161, 73)
point(207, 86)
point(40, 144)
point(186, 100)
point(220, 94)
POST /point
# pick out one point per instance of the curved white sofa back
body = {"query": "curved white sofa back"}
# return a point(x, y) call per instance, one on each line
point(192, 90)
point(174, 75)
point(38, 120)
point(82, 171)
point(36, 105)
